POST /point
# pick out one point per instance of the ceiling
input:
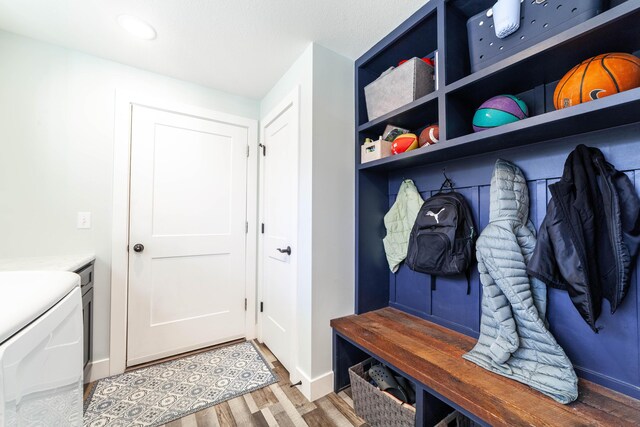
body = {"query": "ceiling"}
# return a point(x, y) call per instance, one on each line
point(239, 46)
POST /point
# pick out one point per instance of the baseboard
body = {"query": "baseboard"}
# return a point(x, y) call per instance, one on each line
point(96, 370)
point(315, 388)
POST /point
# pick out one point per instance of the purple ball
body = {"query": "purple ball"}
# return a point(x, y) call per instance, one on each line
point(499, 111)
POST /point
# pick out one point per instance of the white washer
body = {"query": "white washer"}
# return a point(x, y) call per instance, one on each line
point(40, 349)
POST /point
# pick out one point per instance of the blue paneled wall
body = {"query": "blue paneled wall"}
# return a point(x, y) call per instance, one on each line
point(611, 357)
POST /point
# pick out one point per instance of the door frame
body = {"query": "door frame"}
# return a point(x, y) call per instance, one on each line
point(124, 102)
point(291, 101)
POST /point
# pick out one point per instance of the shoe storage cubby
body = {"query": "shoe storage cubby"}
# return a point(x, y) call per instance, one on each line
point(538, 144)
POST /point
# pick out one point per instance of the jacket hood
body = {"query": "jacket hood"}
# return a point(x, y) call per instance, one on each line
point(509, 193)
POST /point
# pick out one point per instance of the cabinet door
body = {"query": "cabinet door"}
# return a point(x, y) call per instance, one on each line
point(87, 321)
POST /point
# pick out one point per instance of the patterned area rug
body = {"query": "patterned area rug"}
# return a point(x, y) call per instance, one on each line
point(161, 393)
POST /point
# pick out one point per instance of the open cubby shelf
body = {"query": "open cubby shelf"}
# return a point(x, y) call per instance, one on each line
point(531, 74)
point(615, 110)
point(539, 144)
point(410, 116)
point(417, 38)
point(549, 60)
point(608, 31)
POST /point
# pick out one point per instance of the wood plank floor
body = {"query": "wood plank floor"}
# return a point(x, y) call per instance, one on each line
point(275, 405)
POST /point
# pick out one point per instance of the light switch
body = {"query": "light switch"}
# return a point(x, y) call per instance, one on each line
point(84, 219)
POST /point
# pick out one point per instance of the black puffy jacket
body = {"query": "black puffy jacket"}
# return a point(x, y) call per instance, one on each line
point(590, 235)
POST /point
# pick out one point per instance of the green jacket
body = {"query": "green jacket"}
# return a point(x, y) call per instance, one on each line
point(399, 222)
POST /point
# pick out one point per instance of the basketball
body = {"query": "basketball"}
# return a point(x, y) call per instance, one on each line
point(597, 77)
point(499, 111)
point(429, 135)
point(404, 142)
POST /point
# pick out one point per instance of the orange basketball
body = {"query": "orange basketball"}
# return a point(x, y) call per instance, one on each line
point(597, 77)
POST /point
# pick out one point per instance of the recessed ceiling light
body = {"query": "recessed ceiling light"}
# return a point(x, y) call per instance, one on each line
point(137, 27)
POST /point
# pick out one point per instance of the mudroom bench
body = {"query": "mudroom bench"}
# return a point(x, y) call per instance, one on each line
point(431, 356)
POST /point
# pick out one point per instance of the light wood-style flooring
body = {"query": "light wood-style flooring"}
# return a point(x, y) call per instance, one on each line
point(275, 405)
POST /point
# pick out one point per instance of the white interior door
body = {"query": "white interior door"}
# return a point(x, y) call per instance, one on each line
point(188, 210)
point(278, 213)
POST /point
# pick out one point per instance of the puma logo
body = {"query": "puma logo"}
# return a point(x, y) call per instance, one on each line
point(435, 215)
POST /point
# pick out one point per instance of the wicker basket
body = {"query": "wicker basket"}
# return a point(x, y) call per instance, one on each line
point(456, 419)
point(378, 408)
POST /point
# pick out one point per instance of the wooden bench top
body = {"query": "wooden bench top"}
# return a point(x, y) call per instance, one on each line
point(432, 355)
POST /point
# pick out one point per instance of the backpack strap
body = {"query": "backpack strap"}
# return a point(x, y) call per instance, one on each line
point(447, 184)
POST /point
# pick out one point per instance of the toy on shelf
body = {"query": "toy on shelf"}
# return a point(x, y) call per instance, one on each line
point(374, 150)
point(404, 142)
point(597, 77)
point(426, 60)
point(429, 136)
point(499, 111)
point(391, 132)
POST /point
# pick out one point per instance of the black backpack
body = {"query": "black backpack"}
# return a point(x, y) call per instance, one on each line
point(443, 236)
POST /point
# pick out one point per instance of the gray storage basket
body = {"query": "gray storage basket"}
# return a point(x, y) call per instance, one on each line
point(456, 419)
point(404, 84)
point(375, 406)
point(539, 20)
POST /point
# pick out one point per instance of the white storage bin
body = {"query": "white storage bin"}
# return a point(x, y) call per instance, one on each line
point(375, 150)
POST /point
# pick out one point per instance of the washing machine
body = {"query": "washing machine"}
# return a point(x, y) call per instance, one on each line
point(40, 349)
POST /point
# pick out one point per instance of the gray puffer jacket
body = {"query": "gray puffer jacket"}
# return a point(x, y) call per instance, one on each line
point(514, 341)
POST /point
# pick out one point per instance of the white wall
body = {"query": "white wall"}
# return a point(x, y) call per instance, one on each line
point(333, 200)
point(56, 158)
point(325, 287)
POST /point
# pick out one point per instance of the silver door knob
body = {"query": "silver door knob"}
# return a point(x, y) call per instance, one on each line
point(138, 247)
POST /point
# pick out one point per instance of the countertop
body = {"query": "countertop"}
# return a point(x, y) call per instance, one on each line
point(46, 263)
point(25, 295)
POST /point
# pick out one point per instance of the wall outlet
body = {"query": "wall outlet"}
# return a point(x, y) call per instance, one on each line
point(84, 219)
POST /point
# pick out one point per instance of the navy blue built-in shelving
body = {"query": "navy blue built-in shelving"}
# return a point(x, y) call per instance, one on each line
point(538, 144)
point(621, 109)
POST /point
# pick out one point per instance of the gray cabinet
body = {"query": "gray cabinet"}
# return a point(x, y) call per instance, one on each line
point(86, 283)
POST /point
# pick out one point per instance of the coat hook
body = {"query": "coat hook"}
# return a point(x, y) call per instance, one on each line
point(447, 181)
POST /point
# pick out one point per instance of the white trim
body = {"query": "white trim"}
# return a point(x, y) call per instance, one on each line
point(251, 268)
point(292, 100)
point(96, 370)
point(120, 221)
point(317, 387)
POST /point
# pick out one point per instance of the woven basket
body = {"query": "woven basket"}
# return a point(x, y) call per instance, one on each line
point(378, 408)
point(456, 419)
